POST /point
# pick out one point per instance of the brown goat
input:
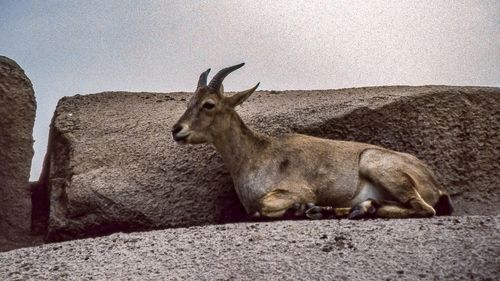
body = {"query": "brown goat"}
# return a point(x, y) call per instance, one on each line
point(307, 175)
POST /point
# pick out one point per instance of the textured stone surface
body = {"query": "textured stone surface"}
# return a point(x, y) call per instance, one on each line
point(442, 248)
point(113, 164)
point(17, 116)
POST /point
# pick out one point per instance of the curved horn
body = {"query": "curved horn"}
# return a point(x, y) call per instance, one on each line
point(219, 77)
point(202, 82)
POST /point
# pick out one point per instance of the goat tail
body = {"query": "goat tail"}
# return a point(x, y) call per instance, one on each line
point(444, 207)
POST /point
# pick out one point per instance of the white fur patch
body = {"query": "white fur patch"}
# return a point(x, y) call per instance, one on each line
point(253, 187)
point(184, 132)
point(368, 191)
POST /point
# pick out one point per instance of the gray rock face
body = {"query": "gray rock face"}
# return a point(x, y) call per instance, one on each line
point(17, 116)
point(441, 248)
point(113, 165)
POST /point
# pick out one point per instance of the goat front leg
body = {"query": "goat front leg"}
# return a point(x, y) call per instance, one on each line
point(303, 210)
point(319, 212)
point(276, 203)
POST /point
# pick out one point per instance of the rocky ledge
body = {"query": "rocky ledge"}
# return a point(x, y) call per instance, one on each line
point(441, 248)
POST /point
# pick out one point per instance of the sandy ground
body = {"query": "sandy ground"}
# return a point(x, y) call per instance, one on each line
point(441, 248)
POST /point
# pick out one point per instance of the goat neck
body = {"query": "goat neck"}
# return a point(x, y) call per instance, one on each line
point(237, 144)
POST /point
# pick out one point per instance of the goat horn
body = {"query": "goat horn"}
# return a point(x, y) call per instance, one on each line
point(202, 82)
point(219, 77)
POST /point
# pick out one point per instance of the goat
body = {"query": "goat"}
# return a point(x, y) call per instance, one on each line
point(307, 175)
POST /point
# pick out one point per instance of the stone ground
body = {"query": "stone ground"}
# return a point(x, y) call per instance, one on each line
point(441, 248)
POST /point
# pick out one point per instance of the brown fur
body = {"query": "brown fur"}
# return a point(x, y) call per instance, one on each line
point(271, 175)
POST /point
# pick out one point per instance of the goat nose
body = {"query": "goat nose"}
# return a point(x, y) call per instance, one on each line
point(177, 128)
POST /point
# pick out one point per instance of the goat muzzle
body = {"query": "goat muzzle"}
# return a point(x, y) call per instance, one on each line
point(178, 134)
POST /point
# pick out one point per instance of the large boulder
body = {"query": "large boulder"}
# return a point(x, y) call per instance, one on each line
point(17, 116)
point(113, 166)
point(442, 248)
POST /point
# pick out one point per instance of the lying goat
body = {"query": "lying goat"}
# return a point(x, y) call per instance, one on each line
point(307, 175)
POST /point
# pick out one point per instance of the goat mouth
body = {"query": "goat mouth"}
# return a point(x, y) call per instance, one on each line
point(181, 139)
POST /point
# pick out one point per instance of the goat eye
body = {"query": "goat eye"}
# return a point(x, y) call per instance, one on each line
point(208, 105)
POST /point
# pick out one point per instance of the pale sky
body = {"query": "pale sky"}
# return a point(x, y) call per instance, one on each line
point(80, 47)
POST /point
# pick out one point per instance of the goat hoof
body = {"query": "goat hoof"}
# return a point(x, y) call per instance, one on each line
point(364, 209)
point(371, 210)
point(314, 213)
point(310, 205)
point(356, 214)
point(298, 209)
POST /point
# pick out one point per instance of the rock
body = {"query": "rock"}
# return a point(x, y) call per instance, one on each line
point(113, 166)
point(440, 248)
point(17, 116)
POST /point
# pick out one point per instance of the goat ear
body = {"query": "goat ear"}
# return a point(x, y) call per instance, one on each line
point(240, 97)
